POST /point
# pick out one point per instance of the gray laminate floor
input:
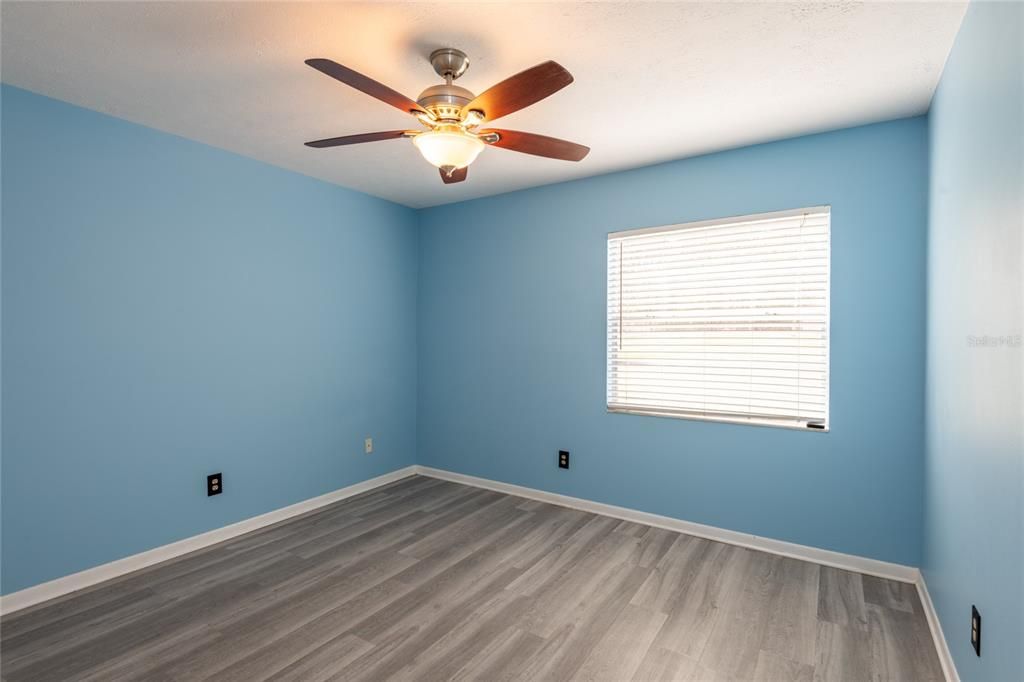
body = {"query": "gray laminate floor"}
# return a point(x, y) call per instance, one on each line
point(429, 580)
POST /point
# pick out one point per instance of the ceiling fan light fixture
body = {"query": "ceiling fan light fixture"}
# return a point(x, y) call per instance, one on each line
point(450, 147)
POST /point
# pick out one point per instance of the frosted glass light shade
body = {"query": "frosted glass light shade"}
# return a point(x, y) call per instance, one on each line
point(448, 148)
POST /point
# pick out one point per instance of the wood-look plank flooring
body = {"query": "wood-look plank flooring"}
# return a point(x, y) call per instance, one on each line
point(430, 580)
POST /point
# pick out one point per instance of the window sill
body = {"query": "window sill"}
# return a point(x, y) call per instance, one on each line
point(747, 421)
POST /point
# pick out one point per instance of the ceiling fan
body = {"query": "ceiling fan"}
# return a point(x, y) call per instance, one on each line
point(451, 116)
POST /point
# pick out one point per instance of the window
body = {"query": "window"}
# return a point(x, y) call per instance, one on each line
point(724, 319)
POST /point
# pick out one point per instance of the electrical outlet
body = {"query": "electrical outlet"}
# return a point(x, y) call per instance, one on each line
point(563, 459)
point(214, 484)
point(976, 629)
point(368, 445)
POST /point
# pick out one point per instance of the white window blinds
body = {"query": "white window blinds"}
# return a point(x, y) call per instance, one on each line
point(723, 319)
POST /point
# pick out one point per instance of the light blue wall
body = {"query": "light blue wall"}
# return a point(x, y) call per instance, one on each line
point(974, 471)
point(512, 345)
point(171, 310)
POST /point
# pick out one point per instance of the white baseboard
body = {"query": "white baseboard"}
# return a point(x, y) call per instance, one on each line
point(849, 562)
point(36, 594)
point(941, 646)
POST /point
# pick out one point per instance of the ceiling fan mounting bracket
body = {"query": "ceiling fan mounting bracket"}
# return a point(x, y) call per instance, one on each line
point(449, 62)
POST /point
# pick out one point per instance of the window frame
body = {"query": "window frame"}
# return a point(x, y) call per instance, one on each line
point(720, 417)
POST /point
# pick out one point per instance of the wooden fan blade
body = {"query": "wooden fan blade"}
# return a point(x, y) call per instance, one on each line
point(367, 85)
point(538, 145)
point(355, 139)
point(520, 91)
point(458, 175)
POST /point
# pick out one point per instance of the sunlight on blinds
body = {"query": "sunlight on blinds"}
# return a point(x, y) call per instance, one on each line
point(724, 319)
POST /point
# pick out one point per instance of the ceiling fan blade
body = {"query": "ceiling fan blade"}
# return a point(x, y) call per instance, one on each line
point(355, 139)
point(458, 175)
point(538, 145)
point(367, 85)
point(520, 91)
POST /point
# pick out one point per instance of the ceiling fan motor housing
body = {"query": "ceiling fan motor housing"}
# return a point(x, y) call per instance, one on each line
point(445, 101)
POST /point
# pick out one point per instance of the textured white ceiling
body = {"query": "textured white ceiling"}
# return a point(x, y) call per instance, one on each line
point(654, 82)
